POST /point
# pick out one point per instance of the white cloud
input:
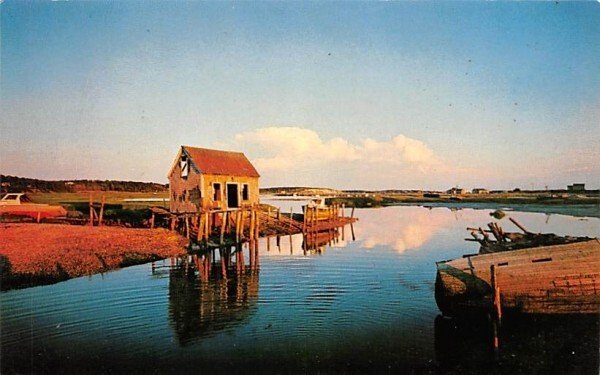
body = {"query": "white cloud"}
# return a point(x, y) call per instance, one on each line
point(277, 149)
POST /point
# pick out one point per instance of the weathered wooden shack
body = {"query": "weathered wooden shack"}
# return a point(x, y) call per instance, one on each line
point(201, 178)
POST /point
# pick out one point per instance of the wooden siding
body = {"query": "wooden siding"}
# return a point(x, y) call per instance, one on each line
point(182, 195)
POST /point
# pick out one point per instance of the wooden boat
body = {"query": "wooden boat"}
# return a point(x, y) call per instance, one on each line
point(20, 205)
point(534, 273)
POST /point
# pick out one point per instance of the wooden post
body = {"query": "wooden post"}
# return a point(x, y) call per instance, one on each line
point(495, 294)
point(291, 216)
point(187, 226)
point(242, 223)
point(39, 217)
point(237, 226)
point(223, 224)
point(152, 221)
point(252, 223)
point(257, 234)
point(200, 234)
point(91, 210)
point(223, 265)
point(101, 216)
point(304, 213)
point(352, 213)
point(343, 210)
point(205, 231)
point(268, 243)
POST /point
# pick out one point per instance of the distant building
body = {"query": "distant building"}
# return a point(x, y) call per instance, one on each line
point(206, 179)
point(480, 191)
point(456, 191)
point(576, 187)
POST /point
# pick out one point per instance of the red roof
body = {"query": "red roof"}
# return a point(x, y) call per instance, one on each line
point(221, 162)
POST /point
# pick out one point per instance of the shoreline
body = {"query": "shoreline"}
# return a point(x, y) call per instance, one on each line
point(41, 254)
point(575, 210)
point(579, 207)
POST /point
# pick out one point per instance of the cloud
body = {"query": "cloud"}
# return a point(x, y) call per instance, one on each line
point(277, 149)
point(408, 231)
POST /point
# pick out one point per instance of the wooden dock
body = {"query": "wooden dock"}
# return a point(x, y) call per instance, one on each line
point(217, 228)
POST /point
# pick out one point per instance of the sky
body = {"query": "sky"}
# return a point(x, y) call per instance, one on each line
point(361, 95)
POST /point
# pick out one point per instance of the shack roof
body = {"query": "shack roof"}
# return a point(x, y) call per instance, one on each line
point(220, 162)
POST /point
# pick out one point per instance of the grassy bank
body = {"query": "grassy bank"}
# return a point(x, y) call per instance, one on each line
point(34, 254)
point(111, 197)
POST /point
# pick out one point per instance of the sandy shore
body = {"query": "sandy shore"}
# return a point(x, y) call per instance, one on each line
point(34, 254)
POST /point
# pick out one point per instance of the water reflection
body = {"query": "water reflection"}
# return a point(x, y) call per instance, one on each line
point(408, 230)
point(344, 310)
point(208, 296)
point(529, 344)
point(311, 243)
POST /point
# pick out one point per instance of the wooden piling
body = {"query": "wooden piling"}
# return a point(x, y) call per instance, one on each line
point(187, 226)
point(495, 294)
point(257, 224)
point(251, 229)
point(223, 224)
point(91, 210)
point(101, 216)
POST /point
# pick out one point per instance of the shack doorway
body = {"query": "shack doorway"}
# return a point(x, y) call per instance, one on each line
point(232, 196)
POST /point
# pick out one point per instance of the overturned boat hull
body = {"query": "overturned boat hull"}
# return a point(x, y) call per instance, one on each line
point(559, 279)
point(33, 210)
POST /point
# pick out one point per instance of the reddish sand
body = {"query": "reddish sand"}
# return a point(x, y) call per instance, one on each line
point(42, 253)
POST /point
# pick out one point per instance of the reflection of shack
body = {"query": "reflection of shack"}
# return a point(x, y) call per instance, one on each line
point(201, 309)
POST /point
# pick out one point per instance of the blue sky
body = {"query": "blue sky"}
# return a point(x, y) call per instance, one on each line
point(349, 95)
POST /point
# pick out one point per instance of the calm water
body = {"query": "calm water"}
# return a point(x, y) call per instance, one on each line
point(366, 304)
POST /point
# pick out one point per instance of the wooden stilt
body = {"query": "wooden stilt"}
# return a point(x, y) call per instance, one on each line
point(91, 210)
point(495, 294)
point(223, 223)
point(257, 233)
point(187, 226)
point(101, 216)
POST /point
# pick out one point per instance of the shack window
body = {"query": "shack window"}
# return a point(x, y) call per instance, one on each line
point(245, 193)
point(185, 167)
point(217, 192)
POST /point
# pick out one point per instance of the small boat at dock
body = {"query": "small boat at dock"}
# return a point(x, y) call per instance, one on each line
point(532, 273)
point(317, 209)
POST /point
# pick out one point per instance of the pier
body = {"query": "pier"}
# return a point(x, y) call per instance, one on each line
point(210, 229)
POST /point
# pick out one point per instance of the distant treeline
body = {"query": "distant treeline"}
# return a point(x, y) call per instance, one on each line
point(13, 184)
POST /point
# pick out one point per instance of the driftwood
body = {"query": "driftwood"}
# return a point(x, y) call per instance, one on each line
point(507, 241)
